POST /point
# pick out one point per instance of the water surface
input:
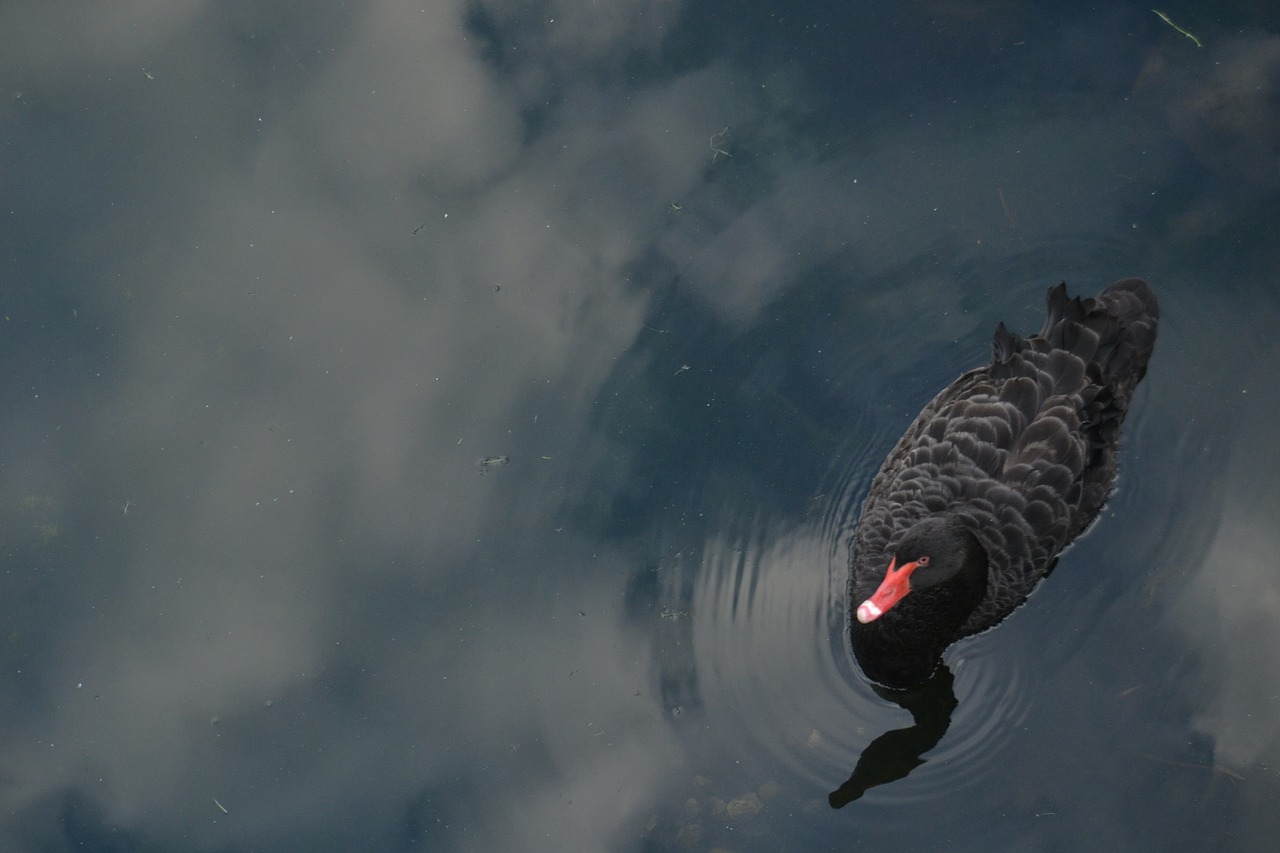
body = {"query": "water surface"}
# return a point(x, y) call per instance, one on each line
point(442, 427)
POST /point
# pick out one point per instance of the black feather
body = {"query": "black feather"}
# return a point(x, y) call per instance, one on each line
point(1017, 458)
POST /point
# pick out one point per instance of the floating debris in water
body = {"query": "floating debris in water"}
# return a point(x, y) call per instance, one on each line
point(1165, 18)
point(492, 462)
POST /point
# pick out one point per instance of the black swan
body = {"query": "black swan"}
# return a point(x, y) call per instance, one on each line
point(999, 473)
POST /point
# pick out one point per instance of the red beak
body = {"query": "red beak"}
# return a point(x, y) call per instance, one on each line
point(892, 589)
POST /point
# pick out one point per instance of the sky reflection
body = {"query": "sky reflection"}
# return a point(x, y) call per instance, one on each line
point(281, 278)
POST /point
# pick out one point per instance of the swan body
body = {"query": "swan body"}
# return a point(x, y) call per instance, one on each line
point(998, 473)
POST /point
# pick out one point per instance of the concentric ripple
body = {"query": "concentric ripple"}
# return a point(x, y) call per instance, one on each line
point(767, 624)
point(764, 637)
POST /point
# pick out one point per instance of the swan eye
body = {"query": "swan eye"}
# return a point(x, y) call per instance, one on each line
point(923, 561)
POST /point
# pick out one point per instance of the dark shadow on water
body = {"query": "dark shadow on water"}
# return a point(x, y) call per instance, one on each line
point(894, 754)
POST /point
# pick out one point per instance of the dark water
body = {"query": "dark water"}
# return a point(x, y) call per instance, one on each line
point(441, 426)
